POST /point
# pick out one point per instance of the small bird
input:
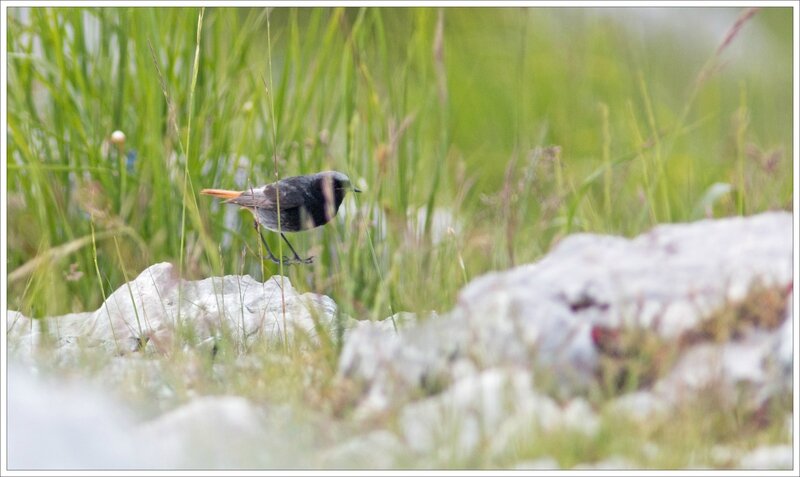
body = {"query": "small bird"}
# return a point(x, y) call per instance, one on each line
point(305, 202)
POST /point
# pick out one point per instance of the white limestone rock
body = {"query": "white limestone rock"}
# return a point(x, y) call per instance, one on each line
point(667, 281)
point(488, 410)
point(146, 310)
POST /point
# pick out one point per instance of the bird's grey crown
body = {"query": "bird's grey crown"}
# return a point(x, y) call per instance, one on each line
point(335, 175)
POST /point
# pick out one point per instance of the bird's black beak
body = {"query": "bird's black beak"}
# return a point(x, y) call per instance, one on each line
point(356, 189)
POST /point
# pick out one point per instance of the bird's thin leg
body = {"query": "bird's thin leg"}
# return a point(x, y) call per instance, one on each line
point(258, 229)
point(296, 256)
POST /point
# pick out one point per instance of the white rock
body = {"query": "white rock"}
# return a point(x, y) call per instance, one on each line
point(723, 366)
point(213, 431)
point(578, 415)
point(57, 424)
point(368, 354)
point(369, 345)
point(61, 424)
point(472, 411)
point(768, 458)
point(147, 310)
point(25, 335)
point(668, 281)
point(487, 410)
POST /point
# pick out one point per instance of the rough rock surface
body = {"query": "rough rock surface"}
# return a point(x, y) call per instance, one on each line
point(146, 310)
point(490, 410)
point(668, 282)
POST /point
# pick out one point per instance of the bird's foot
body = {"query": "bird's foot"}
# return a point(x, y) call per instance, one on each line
point(298, 260)
point(289, 260)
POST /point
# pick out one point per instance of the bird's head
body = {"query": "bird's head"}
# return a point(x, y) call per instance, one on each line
point(339, 181)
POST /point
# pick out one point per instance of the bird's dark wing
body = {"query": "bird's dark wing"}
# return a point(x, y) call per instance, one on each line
point(292, 195)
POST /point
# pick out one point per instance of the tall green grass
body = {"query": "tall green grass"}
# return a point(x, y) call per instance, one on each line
point(522, 125)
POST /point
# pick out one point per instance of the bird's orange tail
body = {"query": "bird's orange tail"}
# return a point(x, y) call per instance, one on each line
point(222, 193)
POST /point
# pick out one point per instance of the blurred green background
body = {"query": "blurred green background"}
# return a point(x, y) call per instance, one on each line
point(480, 136)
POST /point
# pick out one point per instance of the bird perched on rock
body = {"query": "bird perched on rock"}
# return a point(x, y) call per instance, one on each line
point(305, 202)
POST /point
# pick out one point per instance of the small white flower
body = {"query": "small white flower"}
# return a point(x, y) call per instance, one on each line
point(118, 138)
